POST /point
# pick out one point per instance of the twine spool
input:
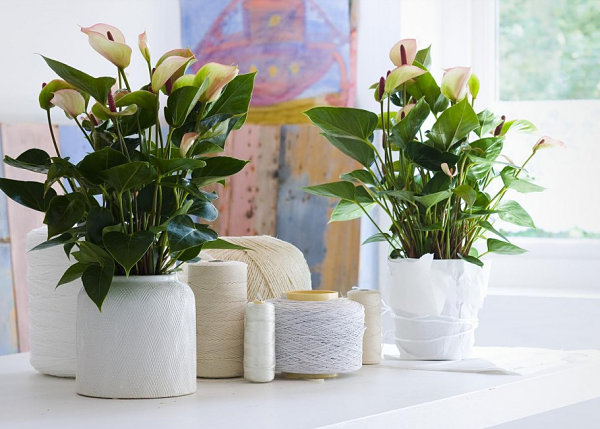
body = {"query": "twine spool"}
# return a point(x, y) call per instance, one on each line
point(220, 291)
point(52, 311)
point(318, 339)
point(371, 301)
point(274, 266)
point(259, 342)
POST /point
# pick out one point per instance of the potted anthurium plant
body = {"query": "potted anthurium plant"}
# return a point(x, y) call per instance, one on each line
point(132, 210)
point(440, 178)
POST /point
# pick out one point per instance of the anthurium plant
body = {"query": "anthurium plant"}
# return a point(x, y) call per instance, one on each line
point(133, 205)
point(438, 172)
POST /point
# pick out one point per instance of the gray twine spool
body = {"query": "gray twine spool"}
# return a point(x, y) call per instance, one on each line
point(318, 337)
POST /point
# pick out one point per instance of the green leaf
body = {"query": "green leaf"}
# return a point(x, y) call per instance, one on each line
point(96, 87)
point(511, 211)
point(348, 210)
point(518, 125)
point(94, 163)
point(166, 166)
point(503, 247)
point(401, 195)
point(181, 102)
point(219, 243)
point(467, 193)
point(97, 280)
point(217, 168)
point(132, 175)
point(104, 113)
point(63, 212)
point(61, 239)
point(488, 121)
point(35, 160)
point(355, 149)
point(29, 194)
point(439, 182)
point(406, 130)
point(483, 153)
point(204, 209)
point(343, 190)
point(183, 233)
point(424, 56)
point(98, 218)
point(428, 156)
point(235, 98)
point(471, 259)
point(143, 99)
point(432, 199)
point(375, 238)
point(488, 226)
point(519, 185)
point(359, 176)
point(72, 273)
point(127, 249)
point(426, 86)
point(454, 124)
point(344, 121)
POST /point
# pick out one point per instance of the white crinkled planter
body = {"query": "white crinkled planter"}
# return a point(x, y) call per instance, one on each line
point(435, 304)
point(142, 344)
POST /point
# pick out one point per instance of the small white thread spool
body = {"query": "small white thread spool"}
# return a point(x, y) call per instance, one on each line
point(259, 342)
point(371, 300)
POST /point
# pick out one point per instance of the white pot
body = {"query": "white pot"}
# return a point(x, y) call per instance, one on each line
point(435, 304)
point(142, 344)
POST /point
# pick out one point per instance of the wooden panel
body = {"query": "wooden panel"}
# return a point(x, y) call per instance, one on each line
point(248, 203)
point(15, 140)
point(8, 315)
point(332, 250)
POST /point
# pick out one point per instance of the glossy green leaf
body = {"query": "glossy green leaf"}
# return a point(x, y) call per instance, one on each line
point(143, 99)
point(424, 56)
point(518, 125)
point(376, 238)
point(98, 218)
point(511, 211)
point(204, 209)
point(344, 121)
point(432, 199)
point(72, 273)
point(181, 102)
point(217, 168)
point(471, 259)
point(127, 249)
point(519, 185)
point(63, 212)
point(35, 160)
point(356, 149)
point(183, 233)
point(428, 156)
point(29, 194)
point(406, 129)
point(343, 190)
point(503, 247)
point(454, 124)
point(97, 280)
point(61, 239)
point(219, 243)
point(348, 210)
point(96, 87)
point(94, 163)
point(166, 166)
point(467, 193)
point(359, 176)
point(489, 227)
point(128, 176)
point(426, 86)
point(235, 98)
point(488, 121)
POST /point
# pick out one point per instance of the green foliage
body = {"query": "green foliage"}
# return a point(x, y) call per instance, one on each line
point(434, 176)
point(132, 205)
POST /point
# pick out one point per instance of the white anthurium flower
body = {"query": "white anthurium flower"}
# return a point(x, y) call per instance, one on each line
point(547, 142)
point(450, 172)
point(109, 42)
point(218, 76)
point(404, 52)
point(454, 83)
point(70, 100)
point(187, 141)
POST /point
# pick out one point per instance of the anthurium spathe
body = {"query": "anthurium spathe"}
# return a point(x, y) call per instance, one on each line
point(400, 75)
point(187, 141)
point(143, 45)
point(404, 52)
point(454, 83)
point(547, 142)
point(70, 100)
point(170, 67)
point(109, 42)
point(218, 76)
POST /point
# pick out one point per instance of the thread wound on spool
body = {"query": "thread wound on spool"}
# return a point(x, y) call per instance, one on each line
point(371, 301)
point(220, 293)
point(318, 337)
point(274, 266)
point(259, 342)
point(52, 311)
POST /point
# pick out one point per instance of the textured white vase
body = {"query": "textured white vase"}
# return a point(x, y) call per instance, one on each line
point(435, 304)
point(142, 344)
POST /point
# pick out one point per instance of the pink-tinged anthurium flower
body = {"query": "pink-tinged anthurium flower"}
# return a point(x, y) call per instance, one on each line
point(187, 141)
point(218, 76)
point(400, 75)
point(404, 52)
point(109, 42)
point(454, 83)
point(70, 100)
point(450, 172)
point(171, 70)
point(143, 45)
point(547, 142)
point(404, 111)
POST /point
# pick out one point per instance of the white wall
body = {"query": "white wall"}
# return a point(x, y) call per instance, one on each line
point(51, 28)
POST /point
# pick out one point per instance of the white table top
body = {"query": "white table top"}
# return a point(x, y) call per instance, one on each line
point(376, 396)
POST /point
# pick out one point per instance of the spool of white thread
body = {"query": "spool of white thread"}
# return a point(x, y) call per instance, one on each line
point(318, 339)
point(52, 310)
point(371, 300)
point(259, 342)
point(220, 291)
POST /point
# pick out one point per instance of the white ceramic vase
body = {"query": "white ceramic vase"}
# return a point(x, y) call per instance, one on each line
point(435, 304)
point(142, 344)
